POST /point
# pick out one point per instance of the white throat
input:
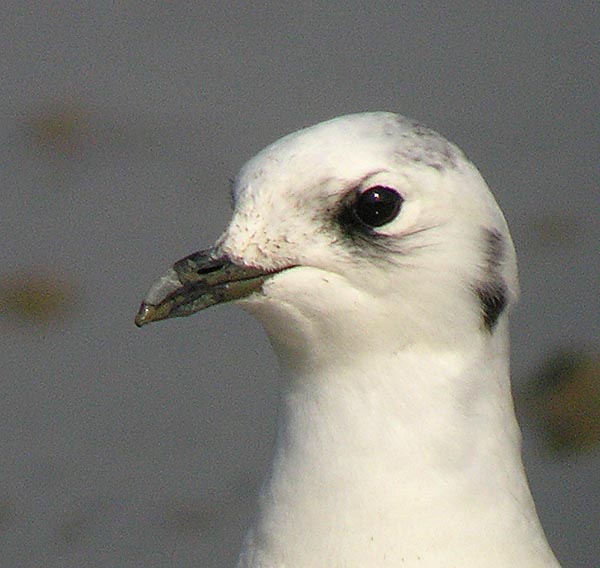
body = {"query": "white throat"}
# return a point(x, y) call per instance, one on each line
point(409, 458)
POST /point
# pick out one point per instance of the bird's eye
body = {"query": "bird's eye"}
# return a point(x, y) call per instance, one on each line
point(378, 205)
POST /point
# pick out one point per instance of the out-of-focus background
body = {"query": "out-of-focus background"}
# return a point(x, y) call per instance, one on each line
point(122, 124)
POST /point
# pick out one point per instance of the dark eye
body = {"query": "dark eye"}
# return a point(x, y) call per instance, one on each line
point(378, 205)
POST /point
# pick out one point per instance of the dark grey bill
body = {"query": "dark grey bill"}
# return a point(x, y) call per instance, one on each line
point(196, 282)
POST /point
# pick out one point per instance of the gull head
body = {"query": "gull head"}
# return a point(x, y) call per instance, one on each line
point(365, 232)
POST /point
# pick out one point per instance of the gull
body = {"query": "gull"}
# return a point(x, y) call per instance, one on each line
point(383, 271)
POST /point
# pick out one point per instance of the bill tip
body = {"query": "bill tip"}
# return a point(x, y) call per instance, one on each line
point(146, 314)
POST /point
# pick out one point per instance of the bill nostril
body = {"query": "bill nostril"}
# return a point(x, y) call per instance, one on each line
point(198, 263)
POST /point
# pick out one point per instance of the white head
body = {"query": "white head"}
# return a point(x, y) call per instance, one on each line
point(443, 262)
point(368, 221)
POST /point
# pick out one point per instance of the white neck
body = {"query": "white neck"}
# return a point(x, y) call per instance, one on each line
point(413, 461)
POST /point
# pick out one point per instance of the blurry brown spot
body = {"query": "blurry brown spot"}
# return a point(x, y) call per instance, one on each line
point(565, 399)
point(62, 129)
point(35, 297)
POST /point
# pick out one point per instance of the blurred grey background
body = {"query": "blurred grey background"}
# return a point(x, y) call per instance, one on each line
point(122, 125)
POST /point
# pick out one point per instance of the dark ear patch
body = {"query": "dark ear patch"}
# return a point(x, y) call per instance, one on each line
point(492, 297)
point(491, 292)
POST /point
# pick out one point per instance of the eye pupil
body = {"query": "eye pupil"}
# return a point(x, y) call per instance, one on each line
point(377, 206)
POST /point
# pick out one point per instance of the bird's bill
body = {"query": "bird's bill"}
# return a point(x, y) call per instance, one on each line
point(196, 282)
